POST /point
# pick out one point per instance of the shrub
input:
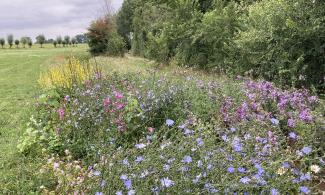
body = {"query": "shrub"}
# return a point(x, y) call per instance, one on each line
point(283, 43)
point(65, 75)
point(103, 38)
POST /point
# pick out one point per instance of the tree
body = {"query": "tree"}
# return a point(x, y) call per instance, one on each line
point(24, 41)
point(73, 41)
point(55, 43)
point(81, 38)
point(40, 40)
point(67, 40)
point(63, 43)
point(2, 42)
point(10, 40)
point(30, 43)
point(59, 40)
point(17, 43)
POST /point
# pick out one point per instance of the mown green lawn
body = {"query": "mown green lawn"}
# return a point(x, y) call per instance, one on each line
point(19, 72)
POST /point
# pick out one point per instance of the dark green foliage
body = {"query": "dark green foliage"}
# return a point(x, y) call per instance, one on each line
point(10, 40)
point(281, 41)
point(2, 42)
point(17, 43)
point(284, 42)
point(103, 38)
point(40, 40)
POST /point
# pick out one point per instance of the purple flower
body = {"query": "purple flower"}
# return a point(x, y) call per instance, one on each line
point(124, 177)
point(304, 189)
point(241, 170)
point(139, 159)
point(305, 177)
point(245, 180)
point(119, 193)
point(140, 146)
point(166, 167)
point(291, 123)
point(169, 122)
point(99, 193)
point(131, 192)
point(286, 165)
point(305, 116)
point(199, 142)
point(187, 159)
point(306, 150)
point(166, 182)
point(274, 191)
point(274, 121)
point(231, 169)
point(199, 163)
point(97, 173)
point(292, 135)
point(128, 183)
point(236, 145)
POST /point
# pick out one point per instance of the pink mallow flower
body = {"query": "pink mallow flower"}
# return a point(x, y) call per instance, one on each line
point(118, 95)
point(106, 102)
point(61, 113)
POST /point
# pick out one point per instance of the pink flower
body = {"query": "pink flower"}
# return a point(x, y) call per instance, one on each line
point(61, 113)
point(118, 95)
point(151, 129)
point(119, 106)
point(67, 98)
point(106, 102)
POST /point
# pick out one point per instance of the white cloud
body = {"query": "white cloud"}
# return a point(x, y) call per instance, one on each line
point(49, 17)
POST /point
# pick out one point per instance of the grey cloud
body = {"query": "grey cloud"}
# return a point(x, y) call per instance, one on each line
point(50, 17)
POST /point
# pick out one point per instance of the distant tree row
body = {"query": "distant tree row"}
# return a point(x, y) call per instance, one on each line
point(40, 39)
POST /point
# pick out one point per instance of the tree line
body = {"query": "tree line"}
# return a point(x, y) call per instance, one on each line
point(280, 41)
point(41, 40)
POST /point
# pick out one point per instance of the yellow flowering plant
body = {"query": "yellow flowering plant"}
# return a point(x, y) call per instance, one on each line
point(65, 75)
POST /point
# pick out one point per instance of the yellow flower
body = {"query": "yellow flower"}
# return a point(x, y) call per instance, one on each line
point(281, 171)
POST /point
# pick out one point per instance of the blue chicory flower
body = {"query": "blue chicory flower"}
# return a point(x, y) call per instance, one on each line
point(187, 159)
point(166, 182)
point(170, 122)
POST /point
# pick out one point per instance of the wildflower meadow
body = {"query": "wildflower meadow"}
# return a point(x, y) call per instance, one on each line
point(125, 133)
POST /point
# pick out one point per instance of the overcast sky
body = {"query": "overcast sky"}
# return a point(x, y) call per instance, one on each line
point(49, 17)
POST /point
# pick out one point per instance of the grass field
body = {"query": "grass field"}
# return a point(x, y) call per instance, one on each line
point(19, 72)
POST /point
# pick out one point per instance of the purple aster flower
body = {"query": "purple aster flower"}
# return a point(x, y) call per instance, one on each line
point(166, 167)
point(245, 180)
point(259, 168)
point(139, 159)
point(199, 142)
point(119, 193)
point(166, 182)
point(292, 135)
point(128, 183)
point(305, 177)
point(210, 188)
point(170, 122)
point(140, 146)
point(188, 132)
point(131, 192)
point(306, 150)
point(286, 165)
point(124, 177)
point(291, 123)
point(305, 116)
point(182, 126)
point(241, 170)
point(187, 159)
point(274, 191)
point(236, 145)
point(126, 162)
point(171, 160)
point(97, 173)
point(231, 169)
point(274, 121)
point(210, 166)
point(224, 138)
point(99, 193)
point(304, 189)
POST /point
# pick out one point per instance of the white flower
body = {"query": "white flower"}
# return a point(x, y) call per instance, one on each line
point(315, 168)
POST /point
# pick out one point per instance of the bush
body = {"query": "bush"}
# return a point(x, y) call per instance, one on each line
point(65, 75)
point(103, 38)
point(283, 43)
